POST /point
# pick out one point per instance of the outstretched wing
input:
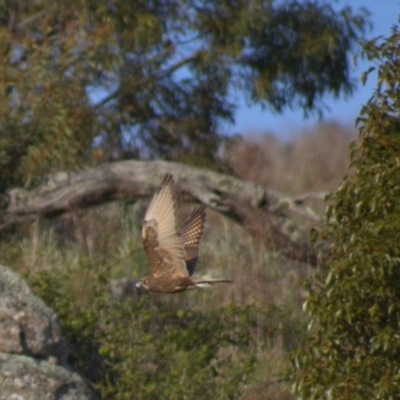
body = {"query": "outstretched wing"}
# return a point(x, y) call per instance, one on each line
point(191, 232)
point(160, 236)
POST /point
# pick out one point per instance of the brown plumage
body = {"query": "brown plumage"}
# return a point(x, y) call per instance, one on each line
point(172, 251)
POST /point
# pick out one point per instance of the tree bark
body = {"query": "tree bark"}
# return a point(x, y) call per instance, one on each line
point(259, 210)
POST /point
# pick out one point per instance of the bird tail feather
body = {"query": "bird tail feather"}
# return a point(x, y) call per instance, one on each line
point(203, 282)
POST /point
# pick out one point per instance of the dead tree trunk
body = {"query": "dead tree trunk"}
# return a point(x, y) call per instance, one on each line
point(256, 208)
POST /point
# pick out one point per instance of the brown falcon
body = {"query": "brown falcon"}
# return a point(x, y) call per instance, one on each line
point(172, 252)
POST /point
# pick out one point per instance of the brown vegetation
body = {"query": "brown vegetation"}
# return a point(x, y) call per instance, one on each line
point(108, 237)
point(315, 160)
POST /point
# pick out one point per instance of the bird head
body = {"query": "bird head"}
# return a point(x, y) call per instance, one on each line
point(142, 284)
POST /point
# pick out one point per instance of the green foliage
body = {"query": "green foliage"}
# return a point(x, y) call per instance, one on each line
point(352, 349)
point(139, 349)
point(88, 81)
point(227, 342)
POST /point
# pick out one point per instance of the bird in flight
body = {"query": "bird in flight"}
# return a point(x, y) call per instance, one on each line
point(172, 251)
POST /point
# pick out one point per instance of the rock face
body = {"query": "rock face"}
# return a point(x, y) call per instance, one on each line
point(27, 325)
point(33, 353)
point(25, 378)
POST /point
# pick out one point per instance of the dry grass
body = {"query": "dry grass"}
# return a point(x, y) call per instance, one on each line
point(109, 238)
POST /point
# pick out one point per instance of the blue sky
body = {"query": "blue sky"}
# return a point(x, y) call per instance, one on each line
point(384, 14)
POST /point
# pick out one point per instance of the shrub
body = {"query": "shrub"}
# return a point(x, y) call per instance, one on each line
point(141, 349)
point(352, 349)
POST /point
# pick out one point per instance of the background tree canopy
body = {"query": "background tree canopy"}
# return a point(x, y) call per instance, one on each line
point(89, 81)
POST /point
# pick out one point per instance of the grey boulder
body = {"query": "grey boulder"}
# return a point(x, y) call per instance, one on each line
point(33, 353)
point(25, 378)
point(27, 325)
